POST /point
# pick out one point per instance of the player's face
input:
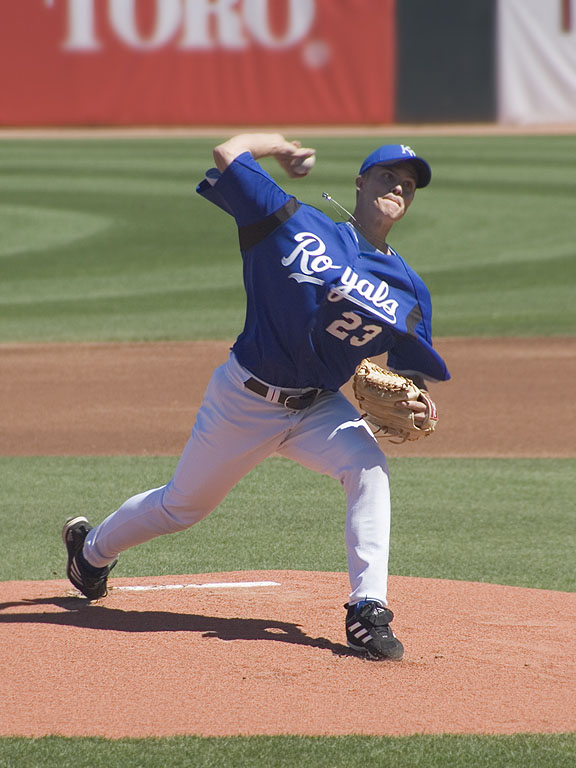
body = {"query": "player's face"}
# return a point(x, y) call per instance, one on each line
point(387, 189)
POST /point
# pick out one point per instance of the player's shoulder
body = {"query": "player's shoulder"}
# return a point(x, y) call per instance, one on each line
point(316, 220)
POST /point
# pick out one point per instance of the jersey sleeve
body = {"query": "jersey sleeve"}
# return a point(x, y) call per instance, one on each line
point(413, 352)
point(244, 190)
point(411, 356)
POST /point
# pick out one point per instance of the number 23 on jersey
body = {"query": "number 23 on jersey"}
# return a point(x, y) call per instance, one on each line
point(349, 327)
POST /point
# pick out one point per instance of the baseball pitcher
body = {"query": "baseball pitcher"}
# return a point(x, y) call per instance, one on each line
point(322, 297)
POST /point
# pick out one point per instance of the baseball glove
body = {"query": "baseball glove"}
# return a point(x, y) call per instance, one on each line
point(377, 390)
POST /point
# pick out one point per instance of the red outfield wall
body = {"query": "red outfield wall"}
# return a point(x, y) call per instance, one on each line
point(200, 62)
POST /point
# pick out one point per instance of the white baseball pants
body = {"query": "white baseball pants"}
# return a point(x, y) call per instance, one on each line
point(235, 430)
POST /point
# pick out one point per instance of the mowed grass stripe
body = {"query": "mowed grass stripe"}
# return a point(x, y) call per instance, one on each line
point(107, 239)
point(505, 521)
point(419, 751)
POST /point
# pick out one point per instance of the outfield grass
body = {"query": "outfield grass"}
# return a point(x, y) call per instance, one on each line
point(501, 521)
point(107, 239)
point(522, 751)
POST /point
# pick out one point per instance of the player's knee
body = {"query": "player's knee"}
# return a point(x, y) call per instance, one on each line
point(365, 466)
point(181, 510)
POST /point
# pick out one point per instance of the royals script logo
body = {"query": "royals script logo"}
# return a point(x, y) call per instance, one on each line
point(312, 260)
point(360, 290)
point(184, 24)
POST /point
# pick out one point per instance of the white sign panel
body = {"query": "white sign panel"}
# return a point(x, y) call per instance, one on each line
point(536, 61)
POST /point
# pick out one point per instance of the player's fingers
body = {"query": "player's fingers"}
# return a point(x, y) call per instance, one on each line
point(304, 152)
point(295, 150)
point(419, 409)
point(297, 163)
point(413, 405)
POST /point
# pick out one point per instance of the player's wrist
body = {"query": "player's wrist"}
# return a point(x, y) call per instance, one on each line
point(259, 145)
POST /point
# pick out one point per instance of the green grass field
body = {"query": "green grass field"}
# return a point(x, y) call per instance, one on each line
point(107, 240)
point(450, 524)
point(522, 751)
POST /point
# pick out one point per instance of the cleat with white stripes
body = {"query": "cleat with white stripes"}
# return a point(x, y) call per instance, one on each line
point(368, 631)
point(91, 581)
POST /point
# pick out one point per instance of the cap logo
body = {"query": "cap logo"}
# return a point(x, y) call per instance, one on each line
point(406, 150)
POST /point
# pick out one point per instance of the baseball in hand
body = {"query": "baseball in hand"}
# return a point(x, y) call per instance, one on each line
point(302, 165)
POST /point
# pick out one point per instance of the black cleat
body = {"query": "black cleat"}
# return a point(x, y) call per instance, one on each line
point(92, 582)
point(368, 631)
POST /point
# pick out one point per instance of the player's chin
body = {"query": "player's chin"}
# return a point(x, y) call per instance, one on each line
point(392, 210)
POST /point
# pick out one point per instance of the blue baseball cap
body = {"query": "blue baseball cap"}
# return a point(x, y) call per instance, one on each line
point(391, 154)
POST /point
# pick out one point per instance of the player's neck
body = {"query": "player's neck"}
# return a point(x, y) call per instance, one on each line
point(377, 236)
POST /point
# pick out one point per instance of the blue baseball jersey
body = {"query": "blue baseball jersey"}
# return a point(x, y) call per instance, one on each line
point(320, 297)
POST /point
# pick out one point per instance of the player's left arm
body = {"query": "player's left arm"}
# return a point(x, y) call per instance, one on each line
point(289, 154)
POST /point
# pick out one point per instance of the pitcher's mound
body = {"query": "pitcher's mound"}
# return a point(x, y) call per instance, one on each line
point(211, 657)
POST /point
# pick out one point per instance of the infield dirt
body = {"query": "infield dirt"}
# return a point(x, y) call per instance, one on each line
point(507, 397)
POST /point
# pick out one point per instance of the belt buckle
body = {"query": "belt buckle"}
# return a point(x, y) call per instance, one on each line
point(303, 400)
point(297, 398)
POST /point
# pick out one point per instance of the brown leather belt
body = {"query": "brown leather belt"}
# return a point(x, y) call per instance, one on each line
point(289, 400)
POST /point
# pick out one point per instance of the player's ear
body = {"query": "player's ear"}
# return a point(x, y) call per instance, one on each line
point(359, 182)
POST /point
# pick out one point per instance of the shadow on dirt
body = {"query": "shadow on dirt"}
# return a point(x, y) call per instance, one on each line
point(79, 612)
